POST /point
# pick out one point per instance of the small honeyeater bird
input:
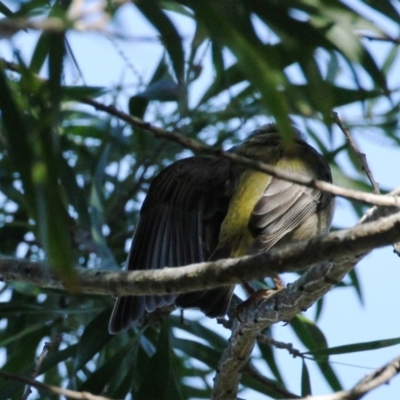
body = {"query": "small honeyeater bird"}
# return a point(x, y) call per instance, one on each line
point(200, 209)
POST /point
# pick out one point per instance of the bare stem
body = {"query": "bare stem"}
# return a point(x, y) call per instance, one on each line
point(360, 155)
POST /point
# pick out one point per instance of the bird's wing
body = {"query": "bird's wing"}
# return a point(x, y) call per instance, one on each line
point(179, 225)
point(282, 208)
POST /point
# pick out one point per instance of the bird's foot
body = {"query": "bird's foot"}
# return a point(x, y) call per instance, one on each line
point(254, 300)
point(256, 296)
point(279, 285)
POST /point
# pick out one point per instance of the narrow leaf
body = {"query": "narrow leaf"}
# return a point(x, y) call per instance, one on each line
point(94, 337)
point(305, 381)
point(355, 347)
point(170, 36)
point(158, 377)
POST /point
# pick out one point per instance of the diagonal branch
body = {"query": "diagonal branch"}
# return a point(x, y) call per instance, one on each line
point(194, 145)
point(377, 378)
point(362, 157)
point(70, 394)
point(281, 306)
point(290, 176)
point(342, 249)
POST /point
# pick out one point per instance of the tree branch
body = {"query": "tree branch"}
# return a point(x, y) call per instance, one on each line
point(362, 157)
point(71, 394)
point(377, 378)
point(207, 275)
point(281, 306)
point(188, 143)
point(342, 249)
point(194, 145)
point(46, 348)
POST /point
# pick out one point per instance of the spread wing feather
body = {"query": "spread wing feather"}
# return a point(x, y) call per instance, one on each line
point(179, 225)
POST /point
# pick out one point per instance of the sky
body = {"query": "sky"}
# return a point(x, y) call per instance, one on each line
point(345, 320)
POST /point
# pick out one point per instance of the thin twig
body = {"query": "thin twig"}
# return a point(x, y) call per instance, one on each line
point(360, 155)
point(46, 348)
point(281, 345)
point(194, 145)
point(371, 381)
point(385, 38)
point(290, 176)
point(71, 394)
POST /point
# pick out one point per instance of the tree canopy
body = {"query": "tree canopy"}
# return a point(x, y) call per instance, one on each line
point(77, 157)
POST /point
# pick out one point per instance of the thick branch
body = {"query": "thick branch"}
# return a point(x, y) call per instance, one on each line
point(293, 257)
point(343, 249)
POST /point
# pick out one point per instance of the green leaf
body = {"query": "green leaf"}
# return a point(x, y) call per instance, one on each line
point(355, 347)
point(170, 36)
point(75, 194)
point(56, 57)
point(112, 373)
point(94, 337)
point(97, 210)
point(79, 92)
point(40, 53)
point(308, 332)
point(137, 106)
point(159, 382)
point(386, 7)
point(199, 330)
point(356, 284)
point(200, 351)
point(250, 382)
point(16, 133)
point(5, 10)
point(22, 359)
point(369, 64)
point(33, 7)
point(35, 154)
point(161, 90)
point(313, 338)
point(305, 380)
point(56, 357)
point(47, 41)
point(21, 334)
point(235, 31)
point(53, 220)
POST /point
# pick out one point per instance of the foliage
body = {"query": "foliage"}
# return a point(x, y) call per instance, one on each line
point(72, 178)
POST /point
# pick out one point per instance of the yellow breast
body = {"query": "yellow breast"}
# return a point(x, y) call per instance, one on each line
point(234, 229)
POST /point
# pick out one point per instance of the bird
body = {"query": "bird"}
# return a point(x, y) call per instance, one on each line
point(203, 208)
